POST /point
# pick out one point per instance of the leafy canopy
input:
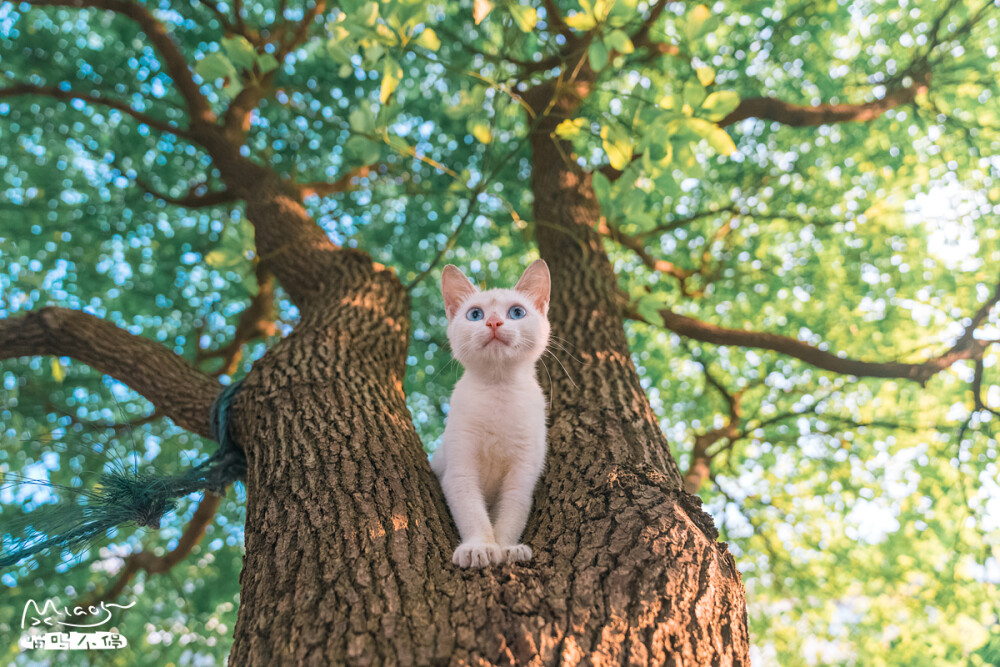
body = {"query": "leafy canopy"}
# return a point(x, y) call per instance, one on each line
point(864, 513)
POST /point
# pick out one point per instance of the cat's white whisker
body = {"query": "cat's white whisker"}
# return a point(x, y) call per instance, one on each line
point(568, 376)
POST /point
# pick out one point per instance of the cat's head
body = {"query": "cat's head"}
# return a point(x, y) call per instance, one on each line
point(497, 327)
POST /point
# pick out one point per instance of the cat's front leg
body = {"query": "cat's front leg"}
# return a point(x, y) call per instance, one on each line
point(513, 508)
point(479, 547)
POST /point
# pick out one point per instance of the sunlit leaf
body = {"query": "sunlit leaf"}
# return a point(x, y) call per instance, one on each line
point(698, 22)
point(524, 17)
point(428, 39)
point(58, 372)
point(392, 74)
point(481, 9)
point(581, 21)
point(719, 104)
point(706, 75)
point(481, 131)
point(570, 127)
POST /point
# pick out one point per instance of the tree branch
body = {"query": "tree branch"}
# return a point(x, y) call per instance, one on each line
point(92, 97)
point(554, 18)
point(178, 390)
point(967, 347)
point(256, 321)
point(770, 108)
point(173, 59)
point(641, 37)
point(345, 183)
point(197, 197)
point(700, 467)
point(301, 30)
point(611, 231)
point(680, 222)
point(153, 564)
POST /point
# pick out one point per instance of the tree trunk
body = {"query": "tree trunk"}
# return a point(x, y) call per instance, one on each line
point(349, 540)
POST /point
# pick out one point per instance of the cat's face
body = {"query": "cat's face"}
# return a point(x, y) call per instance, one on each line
point(497, 327)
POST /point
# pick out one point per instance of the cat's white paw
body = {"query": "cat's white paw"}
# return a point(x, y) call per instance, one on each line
point(477, 554)
point(516, 553)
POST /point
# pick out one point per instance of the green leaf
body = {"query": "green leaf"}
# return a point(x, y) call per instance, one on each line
point(240, 51)
point(693, 93)
point(618, 41)
point(367, 15)
point(340, 50)
point(398, 143)
point(598, 55)
point(697, 22)
point(428, 39)
point(524, 17)
point(213, 67)
point(602, 187)
point(362, 121)
point(373, 53)
point(267, 63)
point(720, 104)
point(660, 152)
point(648, 307)
point(392, 74)
point(362, 150)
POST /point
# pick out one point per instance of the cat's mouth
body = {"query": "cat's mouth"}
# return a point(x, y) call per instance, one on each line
point(494, 339)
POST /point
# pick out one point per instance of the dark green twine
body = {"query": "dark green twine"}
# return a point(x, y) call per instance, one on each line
point(123, 495)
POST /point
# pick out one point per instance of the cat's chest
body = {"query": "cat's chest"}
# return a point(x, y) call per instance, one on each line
point(498, 420)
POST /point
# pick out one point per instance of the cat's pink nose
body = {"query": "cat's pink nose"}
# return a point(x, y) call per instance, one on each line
point(494, 321)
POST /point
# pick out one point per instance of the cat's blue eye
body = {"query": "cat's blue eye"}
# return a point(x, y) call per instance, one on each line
point(474, 314)
point(516, 312)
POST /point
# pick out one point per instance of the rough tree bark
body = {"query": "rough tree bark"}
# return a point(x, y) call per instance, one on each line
point(348, 539)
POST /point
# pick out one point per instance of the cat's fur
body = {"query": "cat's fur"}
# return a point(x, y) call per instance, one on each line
point(493, 449)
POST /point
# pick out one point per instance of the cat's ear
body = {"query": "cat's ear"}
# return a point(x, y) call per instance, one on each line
point(535, 283)
point(455, 288)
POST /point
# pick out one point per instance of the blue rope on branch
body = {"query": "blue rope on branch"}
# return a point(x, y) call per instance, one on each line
point(123, 495)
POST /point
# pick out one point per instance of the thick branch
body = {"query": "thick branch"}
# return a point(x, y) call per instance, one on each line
point(92, 97)
point(965, 348)
point(178, 390)
point(770, 108)
point(153, 564)
point(173, 59)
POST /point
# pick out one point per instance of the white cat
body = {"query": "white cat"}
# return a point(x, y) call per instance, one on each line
point(493, 448)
